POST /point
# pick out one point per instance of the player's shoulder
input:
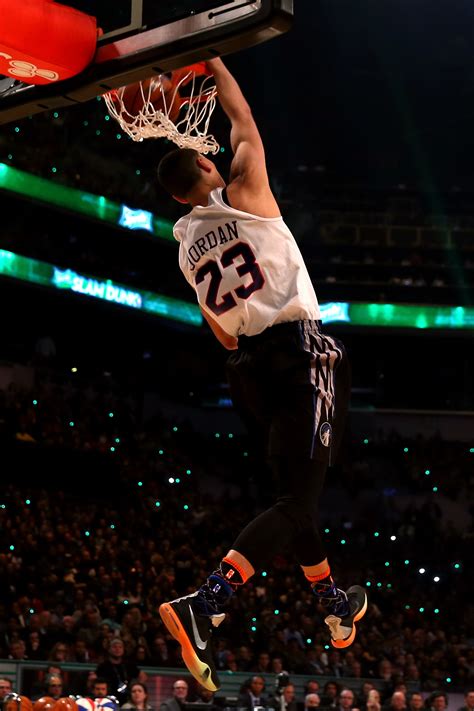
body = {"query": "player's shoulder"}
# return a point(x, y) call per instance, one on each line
point(180, 227)
point(260, 203)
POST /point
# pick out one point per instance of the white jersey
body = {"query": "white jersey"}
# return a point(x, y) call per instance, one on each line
point(247, 271)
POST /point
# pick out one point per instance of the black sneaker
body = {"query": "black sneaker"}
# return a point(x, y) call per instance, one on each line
point(193, 631)
point(343, 629)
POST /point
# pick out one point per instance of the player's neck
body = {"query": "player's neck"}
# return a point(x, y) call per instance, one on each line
point(200, 197)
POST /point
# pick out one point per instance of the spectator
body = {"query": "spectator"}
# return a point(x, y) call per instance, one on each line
point(18, 650)
point(179, 698)
point(35, 649)
point(416, 701)
point(204, 696)
point(263, 665)
point(80, 653)
point(89, 625)
point(5, 688)
point(116, 671)
point(253, 695)
point(287, 699)
point(59, 653)
point(160, 656)
point(438, 701)
point(276, 665)
point(373, 701)
point(363, 694)
point(468, 698)
point(54, 686)
point(313, 663)
point(100, 688)
point(89, 685)
point(245, 658)
point(142, 654)
point(397, 702)
point(347, 700)
point(330, 694)
point(312, 700)
point(138, 697)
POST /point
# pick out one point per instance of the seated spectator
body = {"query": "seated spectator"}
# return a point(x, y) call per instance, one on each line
point(60, 653)
point(35, 650)
point(5, 688)
point(330, 695)
point(54, 687)
point(373, 701)
point(17, 650)
point(312, 701)
point(80, 653)
point(397, 702)
point(313, 663)
point(363, 694)
point(100, 688)
point(346, 700)
point(142, 654)
point(468, 698)
point(179, 698)
point(245, 658)
point(138, 693)
point(253, 694)
point(286, 700)
point(263, 664)
point(116, 671)
point(160, 656)
point(437, 701)
point(276, 665)
point(416, 701)
point(204, 696)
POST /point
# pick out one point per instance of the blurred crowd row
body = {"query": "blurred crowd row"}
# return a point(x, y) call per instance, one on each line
point(85, 563)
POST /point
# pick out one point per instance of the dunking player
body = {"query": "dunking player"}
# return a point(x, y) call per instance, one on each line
point(287, 377)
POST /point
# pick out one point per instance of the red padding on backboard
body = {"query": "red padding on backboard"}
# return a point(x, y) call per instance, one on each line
point(42, 42)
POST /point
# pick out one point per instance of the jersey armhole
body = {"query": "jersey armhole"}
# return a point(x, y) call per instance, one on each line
point(224, 197)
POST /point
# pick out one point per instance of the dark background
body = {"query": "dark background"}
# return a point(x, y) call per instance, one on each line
point(363, 107)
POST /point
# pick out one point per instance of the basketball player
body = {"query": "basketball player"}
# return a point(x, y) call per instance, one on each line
point(287, 378)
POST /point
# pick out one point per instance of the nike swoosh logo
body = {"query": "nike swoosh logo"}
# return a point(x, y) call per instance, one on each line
point(197, 637)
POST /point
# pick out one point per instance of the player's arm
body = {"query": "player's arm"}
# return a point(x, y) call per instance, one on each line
point(228, 341)
point(248, 171)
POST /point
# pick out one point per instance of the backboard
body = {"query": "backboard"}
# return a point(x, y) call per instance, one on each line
point(142, 38)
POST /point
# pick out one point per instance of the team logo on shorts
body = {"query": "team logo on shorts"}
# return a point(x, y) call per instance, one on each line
point(325, 434)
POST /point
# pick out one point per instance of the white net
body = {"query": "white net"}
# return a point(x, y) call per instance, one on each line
point(163, 113)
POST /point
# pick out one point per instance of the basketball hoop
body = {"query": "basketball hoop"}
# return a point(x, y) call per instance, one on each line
point(155, 108)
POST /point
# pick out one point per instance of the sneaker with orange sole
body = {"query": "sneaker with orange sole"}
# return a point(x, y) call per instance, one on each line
point(343, 628)
point(184, 620)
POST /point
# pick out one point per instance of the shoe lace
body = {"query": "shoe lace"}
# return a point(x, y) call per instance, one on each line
point(212, 596)
point(332, 598)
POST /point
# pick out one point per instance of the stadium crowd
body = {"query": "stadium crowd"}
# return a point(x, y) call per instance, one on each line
point(83, 571)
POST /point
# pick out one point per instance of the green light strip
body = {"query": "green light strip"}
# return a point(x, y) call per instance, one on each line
point(399, 315)
point(412, 316)
point(44, 274)
point(96, 207)
point(356, 314)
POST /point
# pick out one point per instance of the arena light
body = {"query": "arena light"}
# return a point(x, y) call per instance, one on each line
point(96, 207)
point(399, 315)
point(47, 275)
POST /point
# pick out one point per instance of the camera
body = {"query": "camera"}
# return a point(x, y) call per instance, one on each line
point(281, 681)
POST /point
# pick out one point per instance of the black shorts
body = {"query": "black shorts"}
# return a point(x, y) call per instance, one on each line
point(291, 385)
